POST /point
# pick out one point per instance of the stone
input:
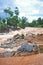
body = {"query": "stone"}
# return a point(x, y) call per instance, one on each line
point(7, 54)
point(27, 48)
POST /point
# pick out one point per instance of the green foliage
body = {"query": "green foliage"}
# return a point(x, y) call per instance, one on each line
point(2, 26)
point(40, 25)
point(27, 24)
point(16, 17)
point(37, 23)
point(3, 20)
point(16, 11)
point(9, 21)
point(23, 22)
point(0, 18)
point(16, 22)
point(8, 11)
point(12, 20)
point(22, 36)
point(34, 23)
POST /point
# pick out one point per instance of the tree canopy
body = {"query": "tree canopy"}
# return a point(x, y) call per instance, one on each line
point(16, 21)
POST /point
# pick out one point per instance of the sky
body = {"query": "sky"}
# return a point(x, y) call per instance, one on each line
point(32, 9)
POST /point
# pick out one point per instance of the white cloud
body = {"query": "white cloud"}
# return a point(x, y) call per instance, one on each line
point(22, 14)
point(29, 8)
point(35, 11)
point(30, 18)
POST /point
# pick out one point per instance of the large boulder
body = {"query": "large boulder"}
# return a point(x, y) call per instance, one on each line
point(27, 48)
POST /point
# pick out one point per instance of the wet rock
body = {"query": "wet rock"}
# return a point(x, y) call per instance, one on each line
point(27, 48)
point(7, 54)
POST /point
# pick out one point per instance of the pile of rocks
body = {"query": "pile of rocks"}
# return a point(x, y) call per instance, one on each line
point(26, 48)
point(14, 47)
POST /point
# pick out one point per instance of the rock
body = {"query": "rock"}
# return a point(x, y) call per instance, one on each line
point(16, 37)
point(7, 54)
point(27, 48)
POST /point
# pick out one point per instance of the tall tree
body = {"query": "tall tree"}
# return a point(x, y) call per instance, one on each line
point(34, 23)
point(42, 21)
point(0, 19)
point(39, 21)
point(16, 11)
point(8, 11)
point(16, 16)
point(23, 22)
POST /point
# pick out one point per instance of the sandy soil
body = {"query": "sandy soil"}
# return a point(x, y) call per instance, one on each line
point(23, 60)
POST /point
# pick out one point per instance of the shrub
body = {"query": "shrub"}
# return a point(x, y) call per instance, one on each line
point(2, 26)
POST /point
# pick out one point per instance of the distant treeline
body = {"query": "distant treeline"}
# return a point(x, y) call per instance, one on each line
point(14, 21)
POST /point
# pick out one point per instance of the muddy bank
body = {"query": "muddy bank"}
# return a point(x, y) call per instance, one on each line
point(23, 60)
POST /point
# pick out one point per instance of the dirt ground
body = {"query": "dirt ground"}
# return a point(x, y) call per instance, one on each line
point(23, 60)
point(37, 39)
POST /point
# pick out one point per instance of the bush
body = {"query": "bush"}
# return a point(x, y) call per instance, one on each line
point(40, 25)
point(2, 26)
